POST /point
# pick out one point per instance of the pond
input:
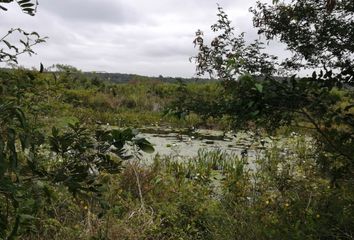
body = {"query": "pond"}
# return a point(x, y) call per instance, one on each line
point(185, 143)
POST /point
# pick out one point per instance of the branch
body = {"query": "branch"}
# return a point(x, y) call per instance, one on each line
point(334, 146)
point(30, 40)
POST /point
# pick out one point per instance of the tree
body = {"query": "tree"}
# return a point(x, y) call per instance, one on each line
point(228, 56)
point(321, 35)
point(77, 156)
point(264, 96)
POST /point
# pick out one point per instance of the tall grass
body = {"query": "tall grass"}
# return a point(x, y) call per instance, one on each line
point(214, 195)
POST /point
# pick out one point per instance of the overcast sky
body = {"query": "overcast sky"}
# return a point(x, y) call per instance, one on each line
point(136, 36)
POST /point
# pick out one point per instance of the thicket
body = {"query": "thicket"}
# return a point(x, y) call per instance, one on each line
point(87, 181)
point(258, 90)
point(66, 95)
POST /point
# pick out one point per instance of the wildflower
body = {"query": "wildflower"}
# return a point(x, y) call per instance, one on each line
point(286, 205)
point(85, 207)
point(267, 202)
point(318, 216)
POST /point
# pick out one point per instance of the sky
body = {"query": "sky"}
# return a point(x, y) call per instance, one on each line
point(141, 37)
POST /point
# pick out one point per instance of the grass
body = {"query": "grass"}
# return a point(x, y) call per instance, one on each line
point(214, 195)
point(284, 194)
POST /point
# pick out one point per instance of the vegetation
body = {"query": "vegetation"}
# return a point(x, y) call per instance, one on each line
point(65, 174)
point(270, 102)
point(70, 95)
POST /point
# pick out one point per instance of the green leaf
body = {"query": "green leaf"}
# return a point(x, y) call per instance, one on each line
point(259, 87)
point(255, 113)
point(347, 108)
point(27, 217)
point(24, 139)
point(21, 116)
point(144, 145)
point(128, 134)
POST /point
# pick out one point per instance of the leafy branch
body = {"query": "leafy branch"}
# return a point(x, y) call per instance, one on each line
point(10, 52)
point(27, 6)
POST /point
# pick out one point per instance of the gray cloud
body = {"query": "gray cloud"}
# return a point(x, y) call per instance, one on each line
point(137, 36)
point(91, 11)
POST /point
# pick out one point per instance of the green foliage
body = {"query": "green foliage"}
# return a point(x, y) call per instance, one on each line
point(35, 165)
point(69, 95)
point(260, 99)
point(212, 196)
point(82, 182)
point(308, 28)
point(228, 55)
point(70, 189)
point(75, 159)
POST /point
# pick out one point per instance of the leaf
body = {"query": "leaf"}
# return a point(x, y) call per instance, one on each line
point(128, 134)
point(35, 33)
point(16, 49)
point(11, 135)
point(41, 68)
point(314, 75)
point(3, 8)
point(255, 113)
point(7, 44)
point(21, 117)
point(27, 217)
point(24, 139)
point(347, 108)
point(144, 145)
point(259, 87)
point(27, 5)
point(25, 44)
point(29, 11)
point(118, 144)
point(23, 1)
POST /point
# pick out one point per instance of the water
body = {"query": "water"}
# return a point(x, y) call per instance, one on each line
point(187, 143)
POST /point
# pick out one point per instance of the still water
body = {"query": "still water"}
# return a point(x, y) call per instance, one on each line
point(187, 143)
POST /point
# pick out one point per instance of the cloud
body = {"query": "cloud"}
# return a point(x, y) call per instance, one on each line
point(137, 36)
point(91, 11)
